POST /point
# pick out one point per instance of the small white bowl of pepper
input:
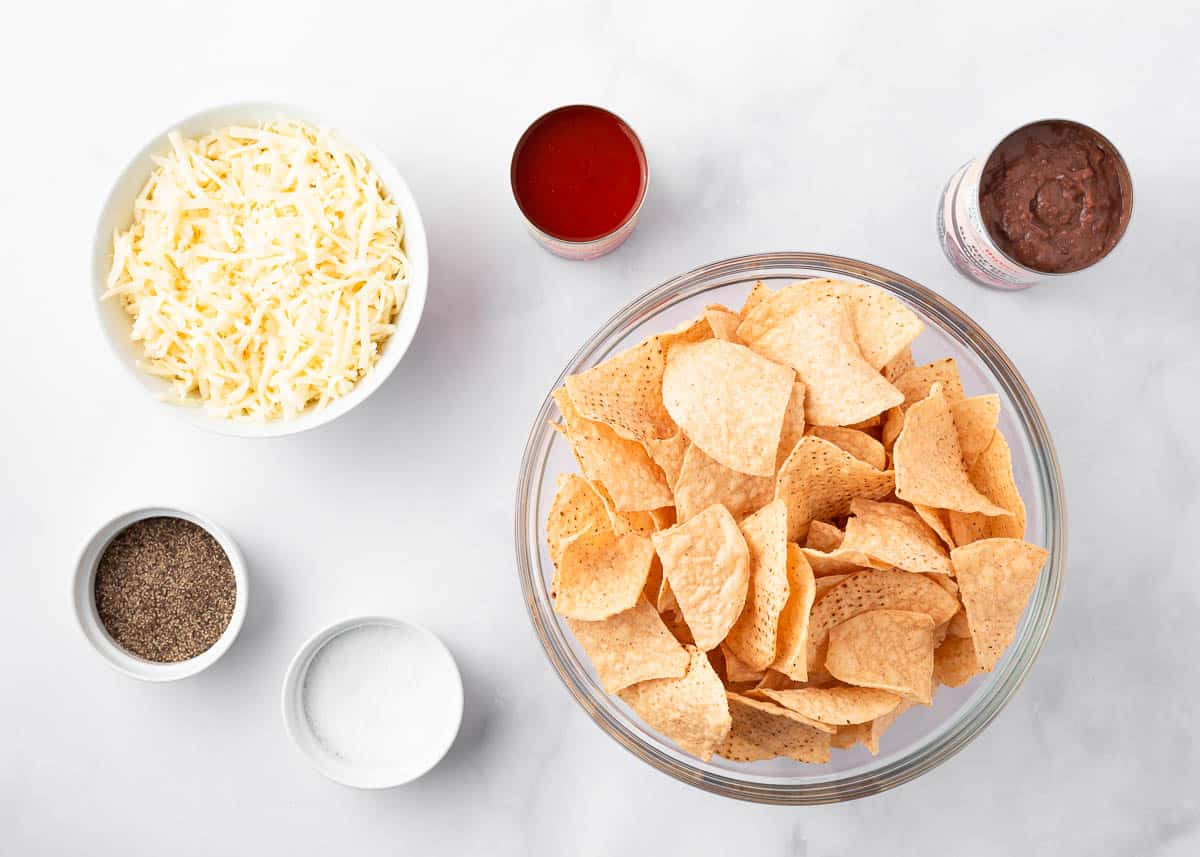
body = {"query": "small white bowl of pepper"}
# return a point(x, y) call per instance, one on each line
point(160, 593)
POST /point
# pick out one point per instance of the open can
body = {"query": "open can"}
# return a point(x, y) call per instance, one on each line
point(565, 158)
point(963, 228)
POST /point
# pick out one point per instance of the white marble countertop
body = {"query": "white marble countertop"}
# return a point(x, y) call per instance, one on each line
point(828, 127)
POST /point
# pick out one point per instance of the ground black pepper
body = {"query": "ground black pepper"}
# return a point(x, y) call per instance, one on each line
point(165, 589)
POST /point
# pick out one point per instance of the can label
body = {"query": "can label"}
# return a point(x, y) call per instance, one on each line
point(965, 239)
point(581, 250)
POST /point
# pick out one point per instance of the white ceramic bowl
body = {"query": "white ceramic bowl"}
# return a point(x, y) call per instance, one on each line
point(117, 214)
point(437, 717)
point(84, 600)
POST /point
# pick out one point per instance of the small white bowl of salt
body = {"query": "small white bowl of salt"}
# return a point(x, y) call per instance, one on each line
point(373, 702)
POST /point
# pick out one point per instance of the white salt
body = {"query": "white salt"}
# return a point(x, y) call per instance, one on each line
point(371, 695)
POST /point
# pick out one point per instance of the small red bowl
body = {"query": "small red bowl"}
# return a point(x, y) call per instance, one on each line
point(579, 176)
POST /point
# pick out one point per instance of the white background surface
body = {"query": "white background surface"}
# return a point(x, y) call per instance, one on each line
point(826, 127)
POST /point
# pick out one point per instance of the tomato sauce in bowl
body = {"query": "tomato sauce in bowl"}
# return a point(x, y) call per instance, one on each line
point(579, 177)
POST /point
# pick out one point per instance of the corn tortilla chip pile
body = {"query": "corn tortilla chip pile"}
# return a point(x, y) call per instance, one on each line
point(785, 533)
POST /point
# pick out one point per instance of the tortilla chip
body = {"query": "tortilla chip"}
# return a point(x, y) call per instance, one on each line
point(752, 637)
point(691, 711)
point(874, 590)
point(759, 294)
point(724, 322)
point(716, 657)
point(893, 423)
point(847, 736)
point(791, 640)
point(622, 466)
point(820, 678)
point(826, 583)
point(967, 528)
point(863, 507)
point(995, 578)
point(678, 628)
point(663, 518)
point(667, 453)
point(738, 747)
point(888, 649)
point(946, 582)
point(767, 695)
point(781, 305)
point(954, 662)
point(641, 523)
point(992, 474)
point(665, 601)
point(896, 535)
point(937, 520)
point(625, 392)
point(773, 679)
point(874, 730)
point(916, 384)
point(631, 646)
point(958, 626)
point(654, 581)
point(840, 561)
point(975, 422)
point(882, 326)
point(730, 402)
point(576, 507)
point(686, 333)
point(703, 482)
point(763, 730)
point(818, 342)
point(818, 481)
point(858, 443)
point(738, 671)
point(869, 425)
point(836, 706)
point(601, 574)
point(706, 562)
point(823, 537)
point(928, 460)
point(898, 365)
point(793, 424)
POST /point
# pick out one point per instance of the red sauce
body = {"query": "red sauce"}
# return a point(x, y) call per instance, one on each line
point(578, 173)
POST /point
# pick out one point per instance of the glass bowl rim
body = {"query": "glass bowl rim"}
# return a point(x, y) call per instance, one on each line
point(1003, 682)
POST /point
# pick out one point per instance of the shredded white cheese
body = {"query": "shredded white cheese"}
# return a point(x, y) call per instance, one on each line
point(263, 271)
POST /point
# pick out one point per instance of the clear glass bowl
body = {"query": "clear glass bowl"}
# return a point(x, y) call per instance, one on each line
point(920, 739)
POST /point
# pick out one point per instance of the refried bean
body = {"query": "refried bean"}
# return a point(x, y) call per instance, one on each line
point(1054, 196)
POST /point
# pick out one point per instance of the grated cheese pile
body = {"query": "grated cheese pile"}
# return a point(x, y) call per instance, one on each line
point(263, 271)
